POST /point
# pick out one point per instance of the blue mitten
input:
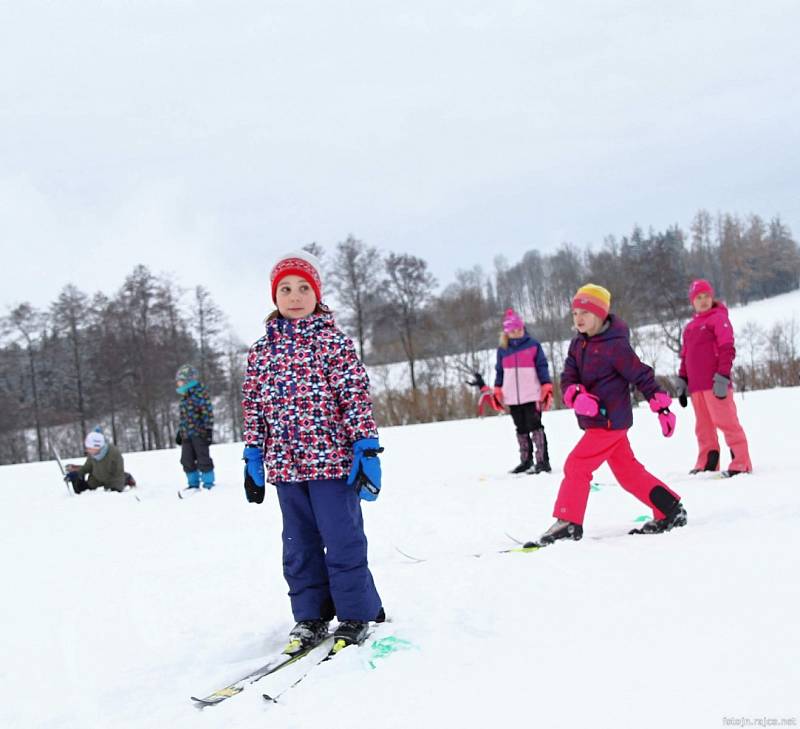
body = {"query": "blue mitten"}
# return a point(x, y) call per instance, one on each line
point(254, 474)
point(365, 474)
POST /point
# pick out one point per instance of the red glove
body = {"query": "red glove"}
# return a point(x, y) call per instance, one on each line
point(547, 397)
point(498, 395)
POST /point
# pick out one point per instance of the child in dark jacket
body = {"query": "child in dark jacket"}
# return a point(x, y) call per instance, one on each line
point(196, 429)
point(598, 372)
point(308, 419)
point(523, 384)
point(707, 358)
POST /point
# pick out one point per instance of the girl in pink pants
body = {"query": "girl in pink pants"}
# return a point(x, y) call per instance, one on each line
point(707, 358)
point(598, 372)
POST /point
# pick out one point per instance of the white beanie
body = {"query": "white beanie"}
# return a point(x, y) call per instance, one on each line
point(94, 440)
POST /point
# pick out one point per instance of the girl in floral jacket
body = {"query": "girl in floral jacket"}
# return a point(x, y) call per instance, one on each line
point(309, 430)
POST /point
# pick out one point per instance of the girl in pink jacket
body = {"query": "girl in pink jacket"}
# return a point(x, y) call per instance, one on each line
point(707, 358)
point(522, 382)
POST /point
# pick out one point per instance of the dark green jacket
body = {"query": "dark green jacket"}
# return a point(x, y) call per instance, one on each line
point(108, 472)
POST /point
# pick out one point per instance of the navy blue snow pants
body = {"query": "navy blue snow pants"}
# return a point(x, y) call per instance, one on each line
point(325, 552)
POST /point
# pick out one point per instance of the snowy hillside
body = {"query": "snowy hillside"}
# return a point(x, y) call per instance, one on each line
point(115, 611)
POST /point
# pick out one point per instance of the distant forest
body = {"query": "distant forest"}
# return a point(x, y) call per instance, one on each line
point(91, 358)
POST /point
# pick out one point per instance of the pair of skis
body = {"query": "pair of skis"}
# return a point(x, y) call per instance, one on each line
point(312, 656)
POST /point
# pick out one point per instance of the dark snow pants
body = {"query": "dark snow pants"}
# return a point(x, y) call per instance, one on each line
point(325, 552)
point(195, 456)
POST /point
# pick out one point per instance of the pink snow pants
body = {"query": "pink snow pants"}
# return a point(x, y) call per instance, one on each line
point(595, 448)
point(711, 413)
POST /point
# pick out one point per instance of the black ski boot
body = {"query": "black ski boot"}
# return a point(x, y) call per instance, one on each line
point(731, 472)
point(306, 634)
point(676, 517)
point(349, 632)
point(560, 530)
point(712, 463)
point(522, 467)
point(525, 453)
point(543, 467)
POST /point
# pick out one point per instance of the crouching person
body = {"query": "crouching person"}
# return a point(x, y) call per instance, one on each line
point(104, 467)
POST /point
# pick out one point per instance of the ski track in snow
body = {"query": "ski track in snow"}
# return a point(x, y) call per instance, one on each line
point(115, 611)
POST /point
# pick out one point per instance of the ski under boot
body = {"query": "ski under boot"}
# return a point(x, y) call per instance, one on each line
point(349, 632)
point(560, 530)
point(305, 634)
point(675, 518)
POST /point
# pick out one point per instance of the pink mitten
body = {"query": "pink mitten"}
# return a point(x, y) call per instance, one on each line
point(660, 401)
point(667, 420)
point(570, 394)
point(660, 404)
point(586, 404)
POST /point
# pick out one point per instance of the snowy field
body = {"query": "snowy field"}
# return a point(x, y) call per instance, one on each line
point(115, 611)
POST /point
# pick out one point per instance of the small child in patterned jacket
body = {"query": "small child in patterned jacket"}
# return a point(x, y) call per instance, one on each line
point(599, 369)
point(308, 419)
point(196, 429)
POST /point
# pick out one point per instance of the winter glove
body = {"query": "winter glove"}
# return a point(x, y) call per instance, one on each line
point(178, 438)
point(721, 385)
point(476, 381)
point(682, 391)
point(547, 397)
point(576, 397)
point(660, 403)
point(365, 474)
point(498, 395)
point(254, 474)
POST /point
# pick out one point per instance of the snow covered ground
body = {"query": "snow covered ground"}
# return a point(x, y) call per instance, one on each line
point(114, 610)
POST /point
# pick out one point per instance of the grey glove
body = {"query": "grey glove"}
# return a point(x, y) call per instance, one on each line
point(721, 384)
point(682, 391)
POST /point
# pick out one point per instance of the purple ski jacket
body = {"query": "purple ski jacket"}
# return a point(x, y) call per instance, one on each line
point(708, 348)
point(607, 366)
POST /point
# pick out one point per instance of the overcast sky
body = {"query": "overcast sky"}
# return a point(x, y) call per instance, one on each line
point(205, 138)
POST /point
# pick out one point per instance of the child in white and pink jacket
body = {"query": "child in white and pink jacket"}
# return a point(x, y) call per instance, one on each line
point(523, 384)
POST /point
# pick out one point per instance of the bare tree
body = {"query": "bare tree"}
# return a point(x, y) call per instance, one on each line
point(355, 274)
point(409, 285)
point(26, 322)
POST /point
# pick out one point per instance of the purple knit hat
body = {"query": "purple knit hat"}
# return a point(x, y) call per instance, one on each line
point(512, 321)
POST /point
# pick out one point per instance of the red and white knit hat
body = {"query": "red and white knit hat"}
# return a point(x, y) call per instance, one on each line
point(297, 263)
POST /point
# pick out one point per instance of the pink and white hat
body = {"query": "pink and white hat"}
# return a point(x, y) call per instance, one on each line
point(512, 321)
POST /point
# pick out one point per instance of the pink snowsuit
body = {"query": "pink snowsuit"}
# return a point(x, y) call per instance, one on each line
point(708, 348)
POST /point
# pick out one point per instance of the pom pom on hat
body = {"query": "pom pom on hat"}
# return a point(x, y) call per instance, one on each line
point(700, 286)
point(95, 439)
point(297, 263)
point(512, 321)
point(594, 298)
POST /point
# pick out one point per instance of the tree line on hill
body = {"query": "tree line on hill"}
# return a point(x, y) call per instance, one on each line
point(111, 359)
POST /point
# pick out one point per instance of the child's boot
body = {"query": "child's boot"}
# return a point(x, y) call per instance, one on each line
point(306, 634)
point(562, 529)
point(193, 479)
point(525, 453)
point(207, 478)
